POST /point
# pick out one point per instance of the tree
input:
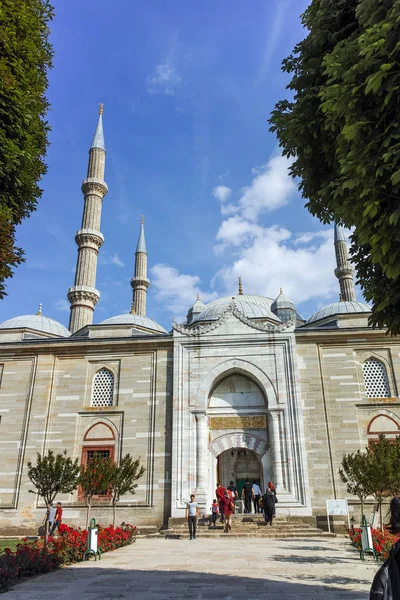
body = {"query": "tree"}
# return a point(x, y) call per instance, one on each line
point(53, 474)
point(342, 131)
point(95, 479)
point(355, 474)
point(380, 458)
point(123, 480)
point(25, 57)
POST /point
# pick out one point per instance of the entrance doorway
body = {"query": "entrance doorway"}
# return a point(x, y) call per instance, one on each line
point(238, 464)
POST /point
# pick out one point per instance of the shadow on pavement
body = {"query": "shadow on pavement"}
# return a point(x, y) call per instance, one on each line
point(95, 582)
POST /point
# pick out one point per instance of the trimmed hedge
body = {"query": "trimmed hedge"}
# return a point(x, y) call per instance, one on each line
point(30, 558)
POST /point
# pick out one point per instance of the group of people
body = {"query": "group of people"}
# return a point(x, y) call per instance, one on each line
point(224, 505)
point(54, 517)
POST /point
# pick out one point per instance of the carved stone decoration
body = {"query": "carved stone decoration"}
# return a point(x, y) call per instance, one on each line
point(230, 310)
point(248, 441)
point(89, 238)
point(253, 422)
point(92, 185)
point(87, 298)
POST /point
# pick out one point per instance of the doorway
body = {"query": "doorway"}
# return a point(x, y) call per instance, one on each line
point(238, 464)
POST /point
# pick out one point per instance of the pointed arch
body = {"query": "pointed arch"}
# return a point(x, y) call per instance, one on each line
point(103, 388)
point(248, 441)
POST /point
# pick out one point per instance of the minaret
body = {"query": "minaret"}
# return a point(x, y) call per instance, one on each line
point(344, 271)
point(139, 282)
point(83, 296)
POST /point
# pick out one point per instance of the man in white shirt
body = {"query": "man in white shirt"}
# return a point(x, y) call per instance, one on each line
point(256, 497)
point(192, 512)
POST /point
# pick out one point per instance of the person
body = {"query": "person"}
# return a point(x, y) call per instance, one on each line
point(228, 507)
point(51, 515)
point(214, 512)
point(57, 518)
point(247, 494)
point(256, 497)
point(232, 488)
point(220, 493)
point(386, 583)
point(192, 512)
point(269, 501)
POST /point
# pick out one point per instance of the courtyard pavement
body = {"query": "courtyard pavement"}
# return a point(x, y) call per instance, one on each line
point(208, 569)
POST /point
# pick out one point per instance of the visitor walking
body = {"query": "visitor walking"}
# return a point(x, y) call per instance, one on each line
point(214, 512)
point(256, 497)
point(247, 494)
point(386, 583)
point(192, 512)
point(51, 516)
point(57, 518)
point(232, 488)
point(269, 501)
point(220, 493)
point(228, 507)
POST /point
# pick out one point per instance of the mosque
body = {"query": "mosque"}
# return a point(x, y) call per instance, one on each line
point(245, 387)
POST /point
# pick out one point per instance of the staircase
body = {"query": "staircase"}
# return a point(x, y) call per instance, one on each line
point(244, 526)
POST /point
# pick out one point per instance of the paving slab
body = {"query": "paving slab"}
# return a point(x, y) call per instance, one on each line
point(211, 569)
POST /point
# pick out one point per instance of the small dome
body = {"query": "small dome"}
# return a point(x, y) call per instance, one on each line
point(133, 319)
point(282, 301)
point(252, 307)
point(37, 322)
point(339, 308)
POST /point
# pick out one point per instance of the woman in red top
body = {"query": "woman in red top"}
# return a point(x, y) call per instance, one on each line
point(228, 508)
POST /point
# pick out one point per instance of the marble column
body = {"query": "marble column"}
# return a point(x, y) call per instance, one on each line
point(275, 441)
point(201, 450)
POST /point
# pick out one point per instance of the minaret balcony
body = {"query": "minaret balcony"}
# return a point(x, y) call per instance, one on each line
point(89, 238)
point(92, 185)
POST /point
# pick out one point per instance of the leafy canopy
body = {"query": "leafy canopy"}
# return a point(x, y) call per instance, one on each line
point(53, 474)
point(124, 477)
point(342, 128)
point(25, 57)
point(95, 477)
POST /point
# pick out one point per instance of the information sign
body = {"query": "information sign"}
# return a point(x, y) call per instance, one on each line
point(337, 508)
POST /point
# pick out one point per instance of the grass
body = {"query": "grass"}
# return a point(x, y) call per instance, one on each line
point(9, 543)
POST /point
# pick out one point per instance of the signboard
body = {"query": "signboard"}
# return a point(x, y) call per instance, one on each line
point(337, 508)
point(256, 422)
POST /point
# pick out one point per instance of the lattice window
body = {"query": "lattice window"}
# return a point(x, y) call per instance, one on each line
point(103, 388)
point(375, 379)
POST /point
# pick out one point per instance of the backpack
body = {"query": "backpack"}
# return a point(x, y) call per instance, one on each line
point(386, 583)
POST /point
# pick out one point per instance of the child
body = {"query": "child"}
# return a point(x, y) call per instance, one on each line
point(214, 511)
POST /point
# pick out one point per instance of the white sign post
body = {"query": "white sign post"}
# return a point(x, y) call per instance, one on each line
point(337, 508)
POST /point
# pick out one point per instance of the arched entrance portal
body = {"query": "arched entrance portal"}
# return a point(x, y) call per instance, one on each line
point(238, 464)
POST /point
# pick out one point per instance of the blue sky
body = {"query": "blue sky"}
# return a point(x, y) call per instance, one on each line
point(187, 89)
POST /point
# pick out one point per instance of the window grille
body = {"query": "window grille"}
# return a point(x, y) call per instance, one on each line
point(375, 379)
point(103, 388)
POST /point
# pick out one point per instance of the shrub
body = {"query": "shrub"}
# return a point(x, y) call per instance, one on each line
point(381, 540)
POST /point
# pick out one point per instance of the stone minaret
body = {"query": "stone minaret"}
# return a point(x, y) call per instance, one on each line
point(139, 282)
point(344, 271)
point(83, 296)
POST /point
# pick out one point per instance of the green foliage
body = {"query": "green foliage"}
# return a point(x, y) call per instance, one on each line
point(25, 57)
point(123, 479)
point(95, 479)
point(342, 128)
point(53, 474)
point(355, 474)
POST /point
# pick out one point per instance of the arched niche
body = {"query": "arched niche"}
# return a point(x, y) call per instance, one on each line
point(236, 391)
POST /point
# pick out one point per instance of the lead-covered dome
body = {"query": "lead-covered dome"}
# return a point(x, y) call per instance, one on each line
point(37, 322)
point(134, 320)
point(339, 308)
point(252, 307)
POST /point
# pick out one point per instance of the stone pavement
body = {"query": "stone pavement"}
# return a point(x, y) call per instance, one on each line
point(208, 569)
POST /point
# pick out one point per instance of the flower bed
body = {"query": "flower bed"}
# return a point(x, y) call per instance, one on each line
point(382, 541)
point(30, 558)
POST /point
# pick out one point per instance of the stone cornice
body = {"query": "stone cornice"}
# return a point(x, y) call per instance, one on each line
point(137, 282)
point(81, 295)
point(92, 185)
point(228, 312)
point(90, 238)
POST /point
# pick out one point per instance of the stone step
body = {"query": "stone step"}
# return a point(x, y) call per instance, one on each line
point(271, 534)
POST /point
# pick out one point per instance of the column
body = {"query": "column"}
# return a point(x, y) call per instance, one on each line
point(201, 450)
point(275, 441)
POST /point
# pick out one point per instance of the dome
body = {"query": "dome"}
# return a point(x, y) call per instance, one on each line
point(133, 319)
point(339, 308)
point(282, 301)
point(38, 322)
point(252, 307)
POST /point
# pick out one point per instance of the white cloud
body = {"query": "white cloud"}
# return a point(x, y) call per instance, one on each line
point(222, 193)
point(165, 79)
point(177, 290)
point(113, 259)
point(235, 231)
point(62, 304)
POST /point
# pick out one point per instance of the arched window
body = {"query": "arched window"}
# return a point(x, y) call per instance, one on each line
point(375, 379)
point(103, 388)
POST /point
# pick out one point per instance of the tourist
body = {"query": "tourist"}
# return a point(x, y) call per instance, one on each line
point(214, 512)
point(57, 518)
point(51, 516)
point(228, 507)
point(386, 583)
point(220, 493)
point(192, 512)
point(256, 497)
point(269, 501)
point(232, 488)
point(247, 494)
